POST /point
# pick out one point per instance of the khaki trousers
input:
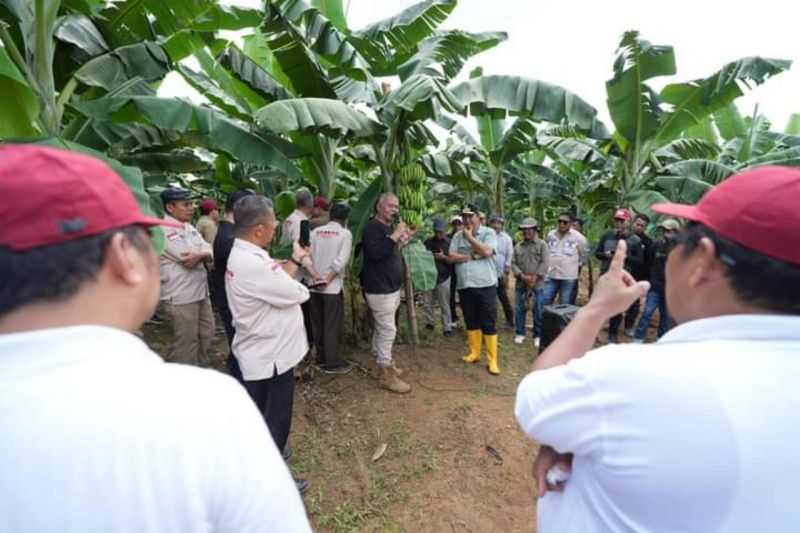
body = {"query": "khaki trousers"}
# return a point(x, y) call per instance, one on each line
point(193, 331)
point(383, 308)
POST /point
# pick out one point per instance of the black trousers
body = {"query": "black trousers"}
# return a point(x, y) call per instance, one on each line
point(630, 319)
point(274, 398)
point(453, 314)
point(327, 321)
point(480, 309)
point(227, 323)
point(502, 294)
point(306, 308)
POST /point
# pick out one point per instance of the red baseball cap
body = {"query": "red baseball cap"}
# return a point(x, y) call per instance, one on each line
point(320, 202)
point(758, 209)
point(622, 213)
point(208, 205)
point(54, 196)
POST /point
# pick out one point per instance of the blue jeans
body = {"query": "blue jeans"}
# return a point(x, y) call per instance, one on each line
point(521, 302)
point(654, 300)
point(563, 287)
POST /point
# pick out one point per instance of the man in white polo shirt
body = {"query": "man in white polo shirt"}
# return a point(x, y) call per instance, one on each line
point(331, 245)
point(269, 339)
point(98, 432)
point(697, 432)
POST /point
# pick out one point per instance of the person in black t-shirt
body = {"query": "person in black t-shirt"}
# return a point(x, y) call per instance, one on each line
point(381, 277)
point(439, 245)
point(223, 243)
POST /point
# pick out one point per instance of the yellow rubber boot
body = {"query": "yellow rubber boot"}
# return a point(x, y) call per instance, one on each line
point(491, 353)
point(474, 341)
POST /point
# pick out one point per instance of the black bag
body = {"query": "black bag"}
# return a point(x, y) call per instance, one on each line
point(554, 319)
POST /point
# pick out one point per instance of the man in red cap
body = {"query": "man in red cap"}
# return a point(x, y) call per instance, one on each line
point(320, 213)
point(634, 259)
point(697, 432)
point(209, 218)
point(98, 432)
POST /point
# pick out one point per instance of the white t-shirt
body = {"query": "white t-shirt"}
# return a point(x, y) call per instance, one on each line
point(265, 305)
point(696, 433)
point(98, 434)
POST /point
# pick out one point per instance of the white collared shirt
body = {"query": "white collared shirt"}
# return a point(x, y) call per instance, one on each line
point(181, 285)
point(265, 304)
point(696, 433)
point(567, 253)
point(290, 230)
point(331, 245)
point(98, 433)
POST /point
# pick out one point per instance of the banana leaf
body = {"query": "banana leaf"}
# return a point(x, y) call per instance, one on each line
point(421, 265)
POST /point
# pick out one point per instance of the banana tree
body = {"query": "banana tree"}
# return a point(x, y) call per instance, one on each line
point(82, 73)
point(648, 121)
point(493, 98)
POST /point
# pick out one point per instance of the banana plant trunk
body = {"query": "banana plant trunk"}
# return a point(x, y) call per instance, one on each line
point(411, 308)
point(499, 189)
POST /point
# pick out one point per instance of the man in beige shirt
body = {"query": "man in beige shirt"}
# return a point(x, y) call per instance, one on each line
point(184, 282)
point(207, 223)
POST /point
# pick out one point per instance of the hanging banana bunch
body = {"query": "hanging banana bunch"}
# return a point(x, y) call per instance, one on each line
point(411, 185)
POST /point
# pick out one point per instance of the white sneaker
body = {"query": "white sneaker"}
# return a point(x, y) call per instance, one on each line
point(519, 339)
point(536, 341)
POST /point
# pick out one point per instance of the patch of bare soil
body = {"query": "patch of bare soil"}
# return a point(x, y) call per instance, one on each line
point(448, 456)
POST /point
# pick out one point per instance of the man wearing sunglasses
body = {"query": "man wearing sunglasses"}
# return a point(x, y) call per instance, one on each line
point(697, 432)
point(98, 432)
point(567, 250)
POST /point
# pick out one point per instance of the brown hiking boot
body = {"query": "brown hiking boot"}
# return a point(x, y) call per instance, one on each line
point(374, 369)
point(389, 381)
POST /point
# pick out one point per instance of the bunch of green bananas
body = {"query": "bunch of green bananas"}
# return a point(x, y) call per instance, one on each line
point(411, 185)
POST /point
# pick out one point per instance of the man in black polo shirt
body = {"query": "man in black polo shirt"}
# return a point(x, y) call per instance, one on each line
point(381, 276)
point(223, 243)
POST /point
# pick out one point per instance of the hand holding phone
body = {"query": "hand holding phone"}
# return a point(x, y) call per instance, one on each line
point(305, 233)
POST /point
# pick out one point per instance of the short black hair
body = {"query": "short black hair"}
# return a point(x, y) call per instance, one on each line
point(757, 279)
point(642, 216)
point(340, 212)
point(234, 197)
point(56, 272)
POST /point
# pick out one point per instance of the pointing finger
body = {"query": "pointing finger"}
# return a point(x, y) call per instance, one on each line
point(618, 261)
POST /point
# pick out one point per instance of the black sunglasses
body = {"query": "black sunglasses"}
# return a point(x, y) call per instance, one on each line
point(564, 221)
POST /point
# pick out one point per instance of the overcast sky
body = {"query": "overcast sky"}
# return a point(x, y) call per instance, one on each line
point(572, 43)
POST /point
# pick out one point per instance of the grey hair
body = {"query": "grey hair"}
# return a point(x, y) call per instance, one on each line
point(303, 198)
point(383, 197)
point(251, 210)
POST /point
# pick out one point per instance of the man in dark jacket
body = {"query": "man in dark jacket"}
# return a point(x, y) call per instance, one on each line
point(439, 246)
point(223, 242)
point(455, 224)
point(656, 298)
point(640, 272)
point(381, 277)
point(633, 259)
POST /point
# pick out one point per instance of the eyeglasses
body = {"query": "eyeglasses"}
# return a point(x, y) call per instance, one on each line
point(564, 221)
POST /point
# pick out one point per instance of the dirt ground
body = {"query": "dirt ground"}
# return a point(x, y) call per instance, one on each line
point(454, 460)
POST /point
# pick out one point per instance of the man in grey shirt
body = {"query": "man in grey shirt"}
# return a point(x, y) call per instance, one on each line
point(502, 261)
